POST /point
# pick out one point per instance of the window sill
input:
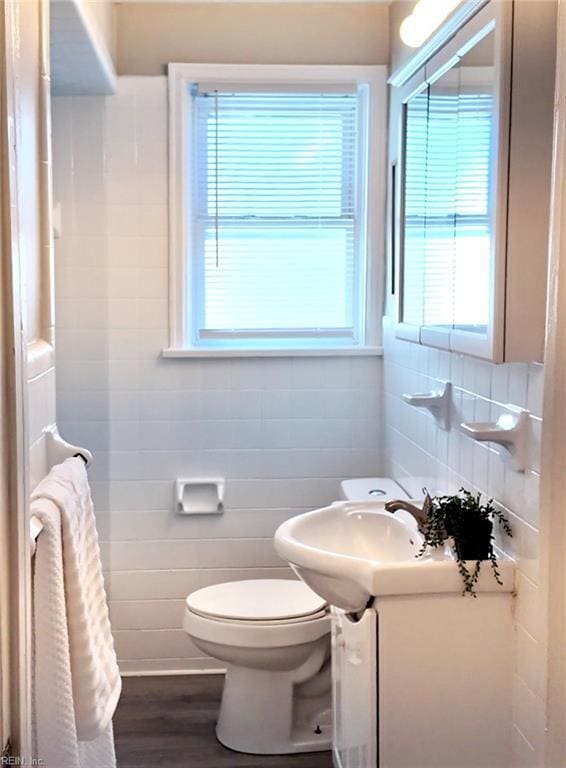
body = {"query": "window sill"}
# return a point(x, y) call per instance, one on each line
point(171, 352)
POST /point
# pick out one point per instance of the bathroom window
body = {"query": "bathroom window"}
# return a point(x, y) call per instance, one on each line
point(274, 248)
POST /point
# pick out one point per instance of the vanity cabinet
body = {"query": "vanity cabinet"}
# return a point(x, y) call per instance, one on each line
point(473, 201)
point(424, 680)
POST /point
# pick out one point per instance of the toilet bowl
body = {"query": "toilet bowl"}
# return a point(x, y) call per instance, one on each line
point(274, 637)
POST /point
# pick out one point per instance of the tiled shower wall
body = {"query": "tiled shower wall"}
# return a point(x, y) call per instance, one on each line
point(282, 431)
point(420, 454)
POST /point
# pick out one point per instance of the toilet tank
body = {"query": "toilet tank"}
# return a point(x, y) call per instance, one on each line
point(371, 489)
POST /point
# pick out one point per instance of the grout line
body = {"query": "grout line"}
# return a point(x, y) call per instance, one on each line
point(205, 568)
point(147, 600)
point(178, 629)
point(184, 541)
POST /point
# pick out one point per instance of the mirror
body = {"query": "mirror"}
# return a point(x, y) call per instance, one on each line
point(449, 166)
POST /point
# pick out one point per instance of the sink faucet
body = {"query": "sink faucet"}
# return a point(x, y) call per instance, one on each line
point(420, 515)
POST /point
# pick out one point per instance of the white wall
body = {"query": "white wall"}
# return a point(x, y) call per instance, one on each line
point(249, 33)
point(282, 431)
point(419, 454)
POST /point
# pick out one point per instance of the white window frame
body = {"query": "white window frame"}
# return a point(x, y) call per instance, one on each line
point(181, 77)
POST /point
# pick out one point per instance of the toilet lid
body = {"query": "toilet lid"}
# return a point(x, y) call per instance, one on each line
point(256, 600)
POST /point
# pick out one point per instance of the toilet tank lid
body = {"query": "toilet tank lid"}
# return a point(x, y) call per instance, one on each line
point(256, 600)
point(372, 489)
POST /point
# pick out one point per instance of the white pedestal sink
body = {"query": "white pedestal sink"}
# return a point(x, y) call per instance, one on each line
point(442, 673)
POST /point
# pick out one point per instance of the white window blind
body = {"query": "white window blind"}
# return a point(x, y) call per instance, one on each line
point(275, 224)
point(447, 221)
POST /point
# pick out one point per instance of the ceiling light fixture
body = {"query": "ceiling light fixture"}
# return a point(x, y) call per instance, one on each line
point(427, 16)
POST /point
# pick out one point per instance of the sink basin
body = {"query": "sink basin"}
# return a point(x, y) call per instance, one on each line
point(351, 552)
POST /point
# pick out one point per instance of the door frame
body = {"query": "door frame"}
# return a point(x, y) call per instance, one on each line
point(553, 477)
point(15, 412)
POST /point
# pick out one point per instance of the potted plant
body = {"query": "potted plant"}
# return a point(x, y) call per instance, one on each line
point(467, 525)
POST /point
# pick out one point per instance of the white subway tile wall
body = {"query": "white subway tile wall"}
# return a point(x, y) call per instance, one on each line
point(41, 410)
point(283, 432)
point(419, 454)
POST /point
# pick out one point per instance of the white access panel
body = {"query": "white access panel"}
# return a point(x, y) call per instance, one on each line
point(354, 690)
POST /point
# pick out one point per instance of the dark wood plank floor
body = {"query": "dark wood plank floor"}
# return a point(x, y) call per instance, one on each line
point(169, 722)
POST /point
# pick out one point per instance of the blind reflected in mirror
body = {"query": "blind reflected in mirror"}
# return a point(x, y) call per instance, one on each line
point(448, 182)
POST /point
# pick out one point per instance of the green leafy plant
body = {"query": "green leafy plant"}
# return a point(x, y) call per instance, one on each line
point(467, 525)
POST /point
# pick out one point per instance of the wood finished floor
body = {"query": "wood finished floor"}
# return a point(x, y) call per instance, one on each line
point(169, 722)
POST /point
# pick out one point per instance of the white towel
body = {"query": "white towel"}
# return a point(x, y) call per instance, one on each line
point(94, 675)
point(54, 729)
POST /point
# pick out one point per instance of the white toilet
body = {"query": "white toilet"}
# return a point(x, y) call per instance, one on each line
point(274, 637)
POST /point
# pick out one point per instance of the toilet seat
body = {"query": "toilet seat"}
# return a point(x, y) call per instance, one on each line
point(259, 613)
point(255, 623)
point(258, 601)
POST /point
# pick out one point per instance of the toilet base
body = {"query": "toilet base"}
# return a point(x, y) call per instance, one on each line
point(264, 713)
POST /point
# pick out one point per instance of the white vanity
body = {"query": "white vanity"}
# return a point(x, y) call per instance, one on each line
point(421, 674)
point(424, 681)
